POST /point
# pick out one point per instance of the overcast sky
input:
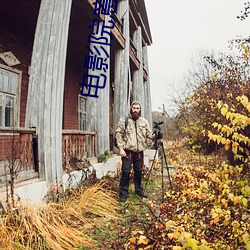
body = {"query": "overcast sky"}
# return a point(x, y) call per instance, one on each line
point(181, 28)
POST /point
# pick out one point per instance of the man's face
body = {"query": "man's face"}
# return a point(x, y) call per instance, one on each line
point(136, 108)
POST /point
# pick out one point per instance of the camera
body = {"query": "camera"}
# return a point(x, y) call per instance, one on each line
point(157, 125)
point(157, 132)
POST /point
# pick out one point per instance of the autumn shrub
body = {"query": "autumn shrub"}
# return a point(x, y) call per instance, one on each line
point(234, 133)
point(222, 78)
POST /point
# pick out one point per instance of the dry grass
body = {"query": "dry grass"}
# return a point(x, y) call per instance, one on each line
point(62, 225)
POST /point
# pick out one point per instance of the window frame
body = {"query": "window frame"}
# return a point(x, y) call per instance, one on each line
point(17, 96)
point(80, 97)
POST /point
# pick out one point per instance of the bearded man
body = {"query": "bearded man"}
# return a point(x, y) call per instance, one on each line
point(132, 141)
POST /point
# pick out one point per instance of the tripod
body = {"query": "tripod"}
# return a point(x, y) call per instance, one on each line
point(159, 148)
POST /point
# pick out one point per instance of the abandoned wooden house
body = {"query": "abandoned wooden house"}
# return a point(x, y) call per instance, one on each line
point(44, 120)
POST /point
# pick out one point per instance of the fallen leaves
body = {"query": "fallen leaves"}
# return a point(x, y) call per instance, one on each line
point(208, 208)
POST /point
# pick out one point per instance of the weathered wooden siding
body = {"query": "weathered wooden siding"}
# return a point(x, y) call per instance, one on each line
point(45, 97)
point(122, 76)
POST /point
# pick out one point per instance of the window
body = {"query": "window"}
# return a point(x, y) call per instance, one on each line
point(9, 97)
point(82, 112)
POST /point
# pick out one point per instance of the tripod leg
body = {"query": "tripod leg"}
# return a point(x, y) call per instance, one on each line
point(162, 178)
point(150, 170)
point(165, 158)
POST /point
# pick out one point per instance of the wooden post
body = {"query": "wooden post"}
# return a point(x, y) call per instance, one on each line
point(122, 79)
point(45, 95)
point(98, 108)
point(148, 107)
point(138, 85)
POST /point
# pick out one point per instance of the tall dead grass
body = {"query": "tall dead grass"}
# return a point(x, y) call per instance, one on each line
point(62, 225)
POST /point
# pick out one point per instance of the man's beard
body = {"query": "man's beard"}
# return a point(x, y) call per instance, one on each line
point(135, 115)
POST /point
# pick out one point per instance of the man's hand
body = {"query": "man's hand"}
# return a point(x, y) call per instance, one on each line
point(122, 152)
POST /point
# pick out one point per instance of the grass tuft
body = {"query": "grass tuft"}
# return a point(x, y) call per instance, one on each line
point(62, 225)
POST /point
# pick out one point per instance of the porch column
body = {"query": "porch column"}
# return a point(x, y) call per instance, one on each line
point(98, 108)
point(147, 104)
point(138, 85)
point(45, 95)
point(122, 76)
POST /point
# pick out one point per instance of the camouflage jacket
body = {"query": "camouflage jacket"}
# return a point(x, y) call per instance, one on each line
point(135, 136)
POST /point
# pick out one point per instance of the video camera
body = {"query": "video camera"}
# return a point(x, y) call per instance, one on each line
point(157, 131)
point(157, 125)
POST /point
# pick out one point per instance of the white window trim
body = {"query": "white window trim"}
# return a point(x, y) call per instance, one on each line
point(18, 94)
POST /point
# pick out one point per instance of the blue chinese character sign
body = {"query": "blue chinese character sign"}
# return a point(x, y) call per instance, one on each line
point(91, 86)
point(98, 37)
